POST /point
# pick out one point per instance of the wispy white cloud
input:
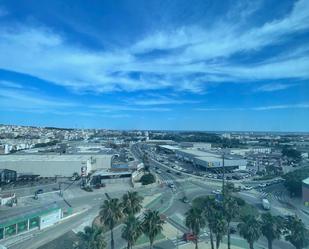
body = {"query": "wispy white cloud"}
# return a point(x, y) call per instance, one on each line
point(258, 108)
point(26, 99)
point(273, 87)
point(202, 56)
point(20, 99)
point(276, 107)
point(10, 84)
point(115, 107)
point(159, 100)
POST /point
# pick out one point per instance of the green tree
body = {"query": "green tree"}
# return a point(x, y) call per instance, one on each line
point(231, 211)
point(110, 214)
point(132, 203)
point(297, 234)
point(152, 225)
point(250, 229)
point(293, 180)
point(209, 204)
point(271, 227)
point(131, 231)
point(195, 221)
point(92, 238)
point(146, 163)
point(147, 179)
point(218, 226)
point(292, 154)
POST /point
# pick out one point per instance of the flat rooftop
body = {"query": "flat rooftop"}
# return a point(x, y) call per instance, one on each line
point(33, 157)
point(110, 173)
point(169, 147)
point(306, 181)
point(199, 153)
point(13, 215)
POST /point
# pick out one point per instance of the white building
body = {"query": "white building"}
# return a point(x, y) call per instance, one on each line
point(209, 159)
point(54, 165)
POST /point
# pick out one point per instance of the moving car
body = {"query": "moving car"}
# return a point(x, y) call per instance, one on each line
point(266, 204)
point(248, 187)
point(39, 191)
point(185, 199)
point(172, 185)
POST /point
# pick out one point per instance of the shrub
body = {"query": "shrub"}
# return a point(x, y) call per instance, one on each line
point(147, 179)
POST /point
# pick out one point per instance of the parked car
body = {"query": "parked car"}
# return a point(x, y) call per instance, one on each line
point(189, 237)
point(262, 185)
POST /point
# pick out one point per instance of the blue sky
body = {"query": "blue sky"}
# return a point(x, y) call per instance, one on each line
point(155, 64)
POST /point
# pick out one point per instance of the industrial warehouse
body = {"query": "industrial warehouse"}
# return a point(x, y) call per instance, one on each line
point(206, 159)
point(54, 165)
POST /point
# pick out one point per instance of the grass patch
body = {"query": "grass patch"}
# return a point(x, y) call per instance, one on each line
point(144, 239)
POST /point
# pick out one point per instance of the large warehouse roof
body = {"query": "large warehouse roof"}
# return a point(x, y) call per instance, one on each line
point(52, 165)
point(50, 157)
point(198, 153)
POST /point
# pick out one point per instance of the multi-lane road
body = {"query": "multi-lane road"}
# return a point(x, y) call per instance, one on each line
point(275, 193)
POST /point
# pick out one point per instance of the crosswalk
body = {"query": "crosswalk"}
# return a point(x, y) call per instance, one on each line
point(278, 195)
point(167, 181)
point(180, 241)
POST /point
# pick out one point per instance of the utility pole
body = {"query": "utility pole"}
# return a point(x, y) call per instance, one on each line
point(223, 175)
point(177, 242)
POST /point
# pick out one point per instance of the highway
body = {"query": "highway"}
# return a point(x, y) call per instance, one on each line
point(170, 204)
point(205, 187)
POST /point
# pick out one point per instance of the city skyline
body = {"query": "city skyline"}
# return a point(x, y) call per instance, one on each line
point(160, 65)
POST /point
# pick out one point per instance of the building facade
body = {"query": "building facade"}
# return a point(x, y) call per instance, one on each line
point(29, 219)
point(7, 176)
point(54, 165)
point(305, 192)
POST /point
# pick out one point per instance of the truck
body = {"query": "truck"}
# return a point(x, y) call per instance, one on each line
point(266, 204)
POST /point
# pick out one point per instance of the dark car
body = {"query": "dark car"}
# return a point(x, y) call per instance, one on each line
point(189, 237)
point(39, 191)
point(169, 171)
point(178, 173)
point(233, 230)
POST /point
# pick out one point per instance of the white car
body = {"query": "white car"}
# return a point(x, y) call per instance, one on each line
point(216, 192)
point(248, 187)
point(171, 185)
point(262, 185)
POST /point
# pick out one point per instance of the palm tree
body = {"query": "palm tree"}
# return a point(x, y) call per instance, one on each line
point(132, 203)
point(145, 160)
point(297, 233)
point(250, 229)
point(152, 225)
point(195, 221)
point(231, 211)
point(131, 231)
point(110, 214)
point(271, 228)
point(92, 238)
point(208, 212)
point(219, 227)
